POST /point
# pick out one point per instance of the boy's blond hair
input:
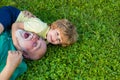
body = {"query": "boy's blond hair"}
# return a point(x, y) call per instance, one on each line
point(67, 31)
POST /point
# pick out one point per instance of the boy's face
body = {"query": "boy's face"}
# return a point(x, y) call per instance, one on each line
point(30, 42)
point(54, 36)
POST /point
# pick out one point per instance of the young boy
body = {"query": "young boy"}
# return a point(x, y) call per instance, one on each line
point(60, 32)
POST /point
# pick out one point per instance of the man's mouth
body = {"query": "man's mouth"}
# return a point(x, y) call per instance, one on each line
point(23, 34)
point(26, 35)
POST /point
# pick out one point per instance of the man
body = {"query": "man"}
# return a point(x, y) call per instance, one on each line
point(33, 48)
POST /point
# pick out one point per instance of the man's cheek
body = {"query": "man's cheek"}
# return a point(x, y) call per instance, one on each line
point(27, 46)
point(23, 45)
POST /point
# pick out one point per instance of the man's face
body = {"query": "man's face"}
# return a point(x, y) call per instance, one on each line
point(30, 42)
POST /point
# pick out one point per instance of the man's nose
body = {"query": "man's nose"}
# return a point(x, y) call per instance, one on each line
point(35, 38)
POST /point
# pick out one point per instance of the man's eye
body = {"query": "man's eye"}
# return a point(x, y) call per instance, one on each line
point(34, 44)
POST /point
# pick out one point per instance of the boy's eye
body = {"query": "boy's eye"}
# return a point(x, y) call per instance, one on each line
point(57, 34)
point(59, 40)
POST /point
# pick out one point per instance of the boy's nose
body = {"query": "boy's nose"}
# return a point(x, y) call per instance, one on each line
point(54, 39)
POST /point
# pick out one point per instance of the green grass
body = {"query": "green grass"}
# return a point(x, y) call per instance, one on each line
point(96, 54)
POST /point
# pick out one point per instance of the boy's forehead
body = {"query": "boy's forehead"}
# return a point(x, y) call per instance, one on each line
point(57, 24)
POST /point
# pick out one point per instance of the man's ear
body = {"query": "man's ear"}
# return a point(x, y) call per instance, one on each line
point(25, 55)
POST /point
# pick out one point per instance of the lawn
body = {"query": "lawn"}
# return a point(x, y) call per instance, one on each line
point(96, 54)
